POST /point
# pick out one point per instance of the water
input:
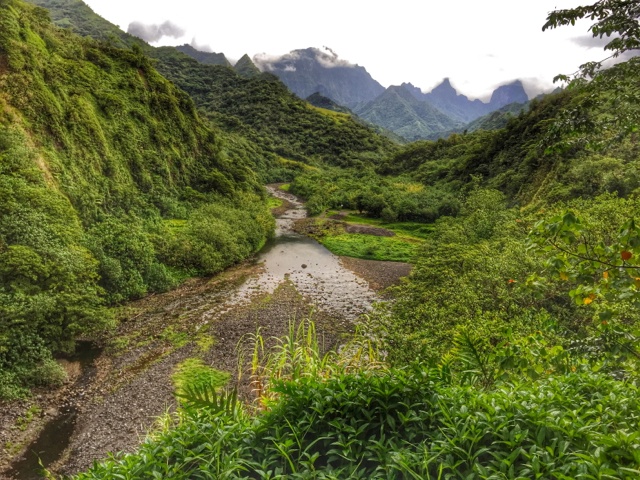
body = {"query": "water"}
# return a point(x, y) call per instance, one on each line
point(56, 435)
point(316, 272)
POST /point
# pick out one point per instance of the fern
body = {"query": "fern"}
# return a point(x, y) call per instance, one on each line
point(204, 397)
point(475, 366)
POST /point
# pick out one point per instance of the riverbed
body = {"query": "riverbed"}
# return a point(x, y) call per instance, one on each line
point(129, 386)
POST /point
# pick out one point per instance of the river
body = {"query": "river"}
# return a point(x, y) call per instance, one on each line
point(129, 387)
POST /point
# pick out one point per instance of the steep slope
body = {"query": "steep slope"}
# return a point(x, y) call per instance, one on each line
point(399, 111)
point(81, 19)
point(101, 159)
point(506, 94)
point(286, 129)
point(208, 58)
point(245, 67)
point(262, 109)
point(313, 70)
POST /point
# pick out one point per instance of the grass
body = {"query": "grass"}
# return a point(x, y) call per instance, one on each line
point(410, 229)
point(370, 247)
point(402, 247)
point(273, 202)
point(194, 373)
point(24, 421)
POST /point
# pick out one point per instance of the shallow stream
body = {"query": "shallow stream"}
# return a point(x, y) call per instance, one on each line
point(316, 274)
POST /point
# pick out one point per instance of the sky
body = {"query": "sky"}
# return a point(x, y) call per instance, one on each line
point(478, 45)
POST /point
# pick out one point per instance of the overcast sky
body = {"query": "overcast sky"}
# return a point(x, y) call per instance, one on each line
point(477, 44)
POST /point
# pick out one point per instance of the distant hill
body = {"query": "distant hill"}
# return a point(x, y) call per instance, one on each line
point(313, 70)
point(445, 98)
point(399, 111)
point(208, 58)
point(498, 118)
point(245, 67)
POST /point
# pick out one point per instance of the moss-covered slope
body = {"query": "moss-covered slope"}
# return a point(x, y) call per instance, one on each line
point(111, 186)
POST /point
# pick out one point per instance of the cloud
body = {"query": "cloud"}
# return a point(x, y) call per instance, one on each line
point(153, 32)
point(535, 86)
point(200, 47)
point(589, 41)
point(267, 63)
point(324, 56)
point(330, 59)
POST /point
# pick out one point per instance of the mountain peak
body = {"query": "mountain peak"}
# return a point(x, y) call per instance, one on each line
point(310, 70)
point(245, 67)
point(509, 93)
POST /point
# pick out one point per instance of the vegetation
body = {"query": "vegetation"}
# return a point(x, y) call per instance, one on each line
point(511, 351)
point(325, 420)
point(95, 161)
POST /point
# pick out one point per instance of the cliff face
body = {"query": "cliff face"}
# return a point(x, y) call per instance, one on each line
point(506, 94)
point(312, 70)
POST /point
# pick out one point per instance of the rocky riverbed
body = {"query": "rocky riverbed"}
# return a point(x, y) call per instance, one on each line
point(117, 397)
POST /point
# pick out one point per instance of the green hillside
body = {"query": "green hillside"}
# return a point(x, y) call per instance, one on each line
point(510, 351)
point(100, 158)
point(263, 110)
point(399, 111)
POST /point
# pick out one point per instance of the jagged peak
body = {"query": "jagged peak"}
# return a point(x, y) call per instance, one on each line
point(245, 67)
point(445, 88)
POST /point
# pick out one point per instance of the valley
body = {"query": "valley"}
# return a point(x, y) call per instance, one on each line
point(116, 398)
point(204, 274)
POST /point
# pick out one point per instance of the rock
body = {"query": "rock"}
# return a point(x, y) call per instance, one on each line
point(304, 265)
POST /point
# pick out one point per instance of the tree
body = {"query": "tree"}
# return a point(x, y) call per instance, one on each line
point(613, 18)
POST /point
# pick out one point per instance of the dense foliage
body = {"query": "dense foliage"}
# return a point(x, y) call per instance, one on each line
point(401, 423)
point(510, 352)
point(111, 187)
point(263, 110)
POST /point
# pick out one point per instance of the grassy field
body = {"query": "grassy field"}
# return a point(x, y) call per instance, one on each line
point(371, 247)
point(402, 247)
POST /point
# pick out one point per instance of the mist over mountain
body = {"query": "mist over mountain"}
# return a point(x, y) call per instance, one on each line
point(459, 107)
point(405, 110)
point(314, 70)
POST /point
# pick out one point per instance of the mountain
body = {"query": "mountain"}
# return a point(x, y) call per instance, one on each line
point(245, 67)
point(506, 94)
point(208, 58)
point(314, 70)
point(264, 111)
point(449, 101)
point(399, 111)
point(445, 98)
